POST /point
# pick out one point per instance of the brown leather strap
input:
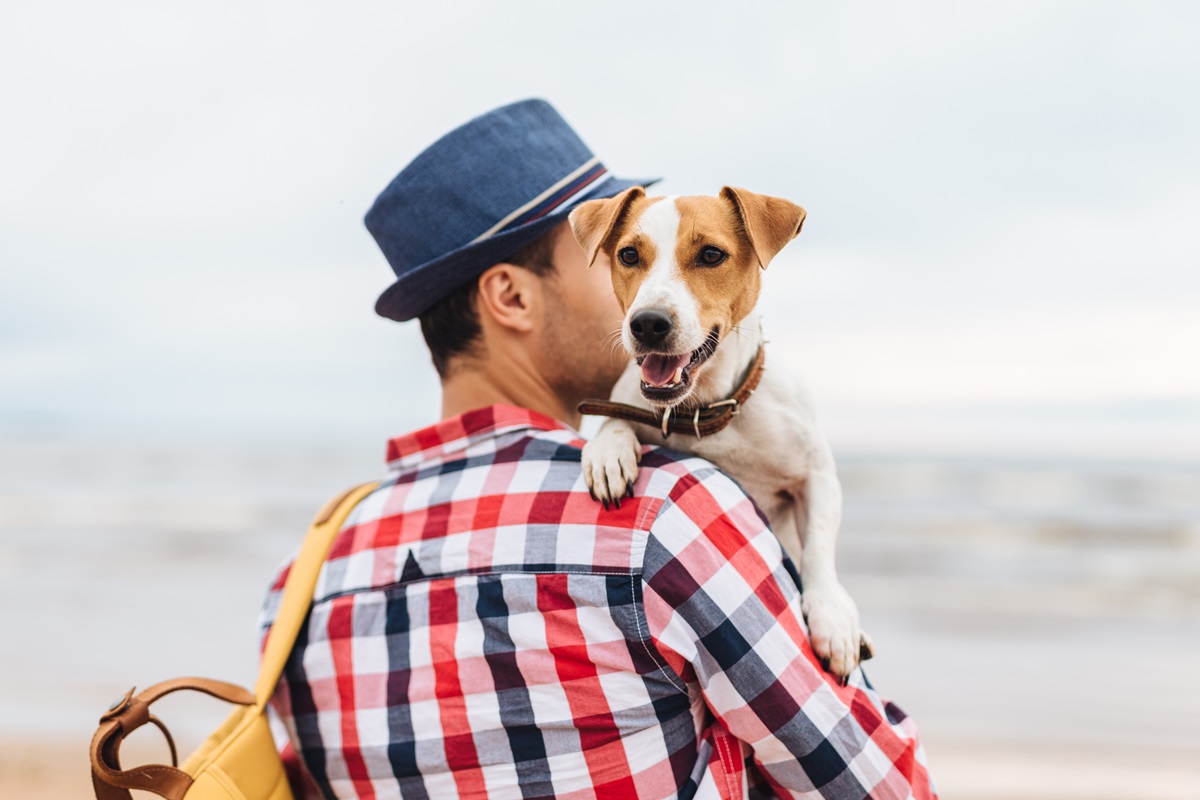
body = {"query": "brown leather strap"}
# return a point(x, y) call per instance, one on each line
point(158, 723)
point(132, 712)
point(699, 422)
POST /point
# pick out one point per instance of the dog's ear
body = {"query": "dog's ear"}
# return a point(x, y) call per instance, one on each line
point(770, 222)
point(594, 221)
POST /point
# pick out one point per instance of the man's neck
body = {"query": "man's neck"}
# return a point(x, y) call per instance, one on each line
point(477, 384)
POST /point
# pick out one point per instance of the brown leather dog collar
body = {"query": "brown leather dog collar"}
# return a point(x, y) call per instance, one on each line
point(699, 422)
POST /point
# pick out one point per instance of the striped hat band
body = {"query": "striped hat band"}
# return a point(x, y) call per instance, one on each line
point(573, 187)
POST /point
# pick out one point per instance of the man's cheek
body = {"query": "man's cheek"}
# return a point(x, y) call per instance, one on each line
point(601, 300)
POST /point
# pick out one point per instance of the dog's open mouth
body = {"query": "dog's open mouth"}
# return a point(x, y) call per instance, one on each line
point(667, 377)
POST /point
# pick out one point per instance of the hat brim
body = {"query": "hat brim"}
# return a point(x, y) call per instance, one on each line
point(423, 287)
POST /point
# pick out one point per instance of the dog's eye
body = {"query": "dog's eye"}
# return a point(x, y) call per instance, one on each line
point(628, 256)
point(710, 257)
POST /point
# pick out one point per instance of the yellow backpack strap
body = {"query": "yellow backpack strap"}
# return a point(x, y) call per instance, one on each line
point(299, 587)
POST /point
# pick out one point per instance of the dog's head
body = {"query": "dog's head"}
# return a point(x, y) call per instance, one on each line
point(685, 271)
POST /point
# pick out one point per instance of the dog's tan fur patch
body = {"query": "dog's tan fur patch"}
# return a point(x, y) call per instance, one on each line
point(726, 293)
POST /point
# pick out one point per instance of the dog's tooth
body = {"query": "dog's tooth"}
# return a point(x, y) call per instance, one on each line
point(678, 376)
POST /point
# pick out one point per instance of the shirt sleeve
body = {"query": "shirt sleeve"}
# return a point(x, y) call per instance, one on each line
point(722, 603)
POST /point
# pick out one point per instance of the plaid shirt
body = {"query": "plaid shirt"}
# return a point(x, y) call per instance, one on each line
point(483, 628)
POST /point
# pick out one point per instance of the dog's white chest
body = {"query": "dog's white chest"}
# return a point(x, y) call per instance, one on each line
point(767, 447)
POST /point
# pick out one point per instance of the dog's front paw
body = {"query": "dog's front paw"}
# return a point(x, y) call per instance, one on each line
point(610, 464)
point(833, 628)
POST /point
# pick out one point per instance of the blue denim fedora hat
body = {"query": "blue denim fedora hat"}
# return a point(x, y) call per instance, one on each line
point(476, 196)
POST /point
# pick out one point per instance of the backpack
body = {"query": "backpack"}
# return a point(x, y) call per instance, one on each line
point(239, 760)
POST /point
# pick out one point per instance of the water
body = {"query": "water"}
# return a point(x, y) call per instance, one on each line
point(1017, 605)
point(1030, 604)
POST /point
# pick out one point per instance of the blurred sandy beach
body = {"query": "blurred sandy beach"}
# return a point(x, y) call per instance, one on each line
point(1039, 618)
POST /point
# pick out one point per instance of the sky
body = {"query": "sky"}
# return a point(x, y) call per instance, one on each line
point(1000, 253)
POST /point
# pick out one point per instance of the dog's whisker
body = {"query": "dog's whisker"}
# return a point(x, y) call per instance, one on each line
point(614, 341)
point(740, 331)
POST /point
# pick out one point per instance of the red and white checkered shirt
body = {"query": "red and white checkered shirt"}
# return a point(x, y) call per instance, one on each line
point(483, 628)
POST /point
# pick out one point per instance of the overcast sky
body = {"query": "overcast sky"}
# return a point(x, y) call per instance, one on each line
point(1001, 250)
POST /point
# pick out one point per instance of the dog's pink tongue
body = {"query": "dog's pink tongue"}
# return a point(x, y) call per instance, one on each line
point(657, 370)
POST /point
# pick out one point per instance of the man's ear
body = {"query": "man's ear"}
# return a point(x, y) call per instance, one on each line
point(770, 222)
point(508, 296)
point(594, 221)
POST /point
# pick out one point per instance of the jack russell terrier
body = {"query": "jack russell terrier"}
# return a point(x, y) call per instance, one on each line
point(686, 274)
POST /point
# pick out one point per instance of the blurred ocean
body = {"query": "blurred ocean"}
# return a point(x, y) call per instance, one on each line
point(1040, 619)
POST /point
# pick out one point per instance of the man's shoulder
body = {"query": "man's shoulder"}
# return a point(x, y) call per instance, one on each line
point(693, 485)
point(664, 474)
point(705, 523)
point(666, 471)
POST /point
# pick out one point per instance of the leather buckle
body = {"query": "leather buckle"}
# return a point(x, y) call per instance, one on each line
point(118, 705)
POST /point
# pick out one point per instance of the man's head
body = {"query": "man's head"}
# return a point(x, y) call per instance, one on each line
point(475, 230)
point(541, 306)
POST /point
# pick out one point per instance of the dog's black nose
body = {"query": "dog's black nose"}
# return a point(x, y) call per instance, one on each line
point(650, 326)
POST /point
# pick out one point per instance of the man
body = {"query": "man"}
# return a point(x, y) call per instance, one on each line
point(482, 627)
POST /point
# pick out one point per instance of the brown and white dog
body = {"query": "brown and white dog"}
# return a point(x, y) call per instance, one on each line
point(686, 272)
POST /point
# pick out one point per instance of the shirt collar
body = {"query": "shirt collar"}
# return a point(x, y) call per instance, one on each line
point(456, 434)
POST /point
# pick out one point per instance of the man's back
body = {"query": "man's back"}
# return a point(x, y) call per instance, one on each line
point(482, 627)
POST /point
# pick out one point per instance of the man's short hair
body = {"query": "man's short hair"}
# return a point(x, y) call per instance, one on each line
point(451, 328)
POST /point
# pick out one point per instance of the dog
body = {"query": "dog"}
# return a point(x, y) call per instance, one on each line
point(686, 272)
